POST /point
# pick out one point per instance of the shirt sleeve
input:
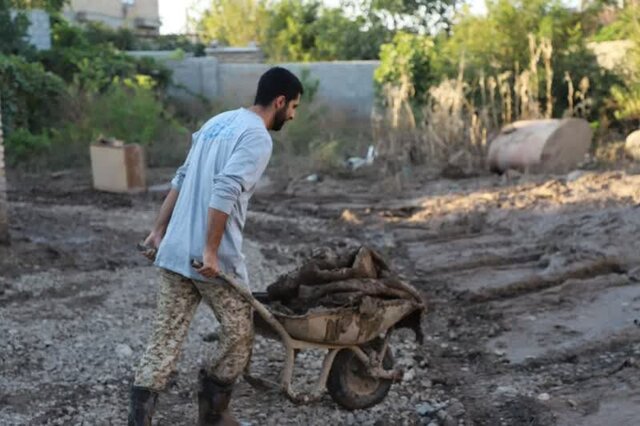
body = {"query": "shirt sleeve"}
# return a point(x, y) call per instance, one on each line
point(176, 182)
point(246, 164)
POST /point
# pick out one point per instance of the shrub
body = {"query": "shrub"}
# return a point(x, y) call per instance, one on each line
point(127, 110)
point(407, 56)
point(30, 95)
point(93, 64)
point(12, 30)
point(21, 145)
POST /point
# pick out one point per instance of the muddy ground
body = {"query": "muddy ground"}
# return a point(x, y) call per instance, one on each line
point(532, 282)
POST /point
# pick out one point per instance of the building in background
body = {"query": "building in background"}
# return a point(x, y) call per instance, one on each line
point(141, 16)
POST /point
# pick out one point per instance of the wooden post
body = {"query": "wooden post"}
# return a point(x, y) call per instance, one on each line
point(4, 205)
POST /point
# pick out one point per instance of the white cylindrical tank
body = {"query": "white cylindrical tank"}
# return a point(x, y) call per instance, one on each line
point(551, 145)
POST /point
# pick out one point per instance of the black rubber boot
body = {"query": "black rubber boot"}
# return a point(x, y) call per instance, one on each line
point(213, 403)
point(142, 404)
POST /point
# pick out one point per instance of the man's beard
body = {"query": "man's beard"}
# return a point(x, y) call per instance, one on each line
point(279, 119)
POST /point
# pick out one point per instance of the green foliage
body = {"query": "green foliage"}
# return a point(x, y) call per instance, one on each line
point(21, 145)
point(233, 22)
point(93, 65)
point(419, 16)
point(327, 155)
point(498, 40)
point(627, 100)
point(617, 30)
point(97, 33)
point(624, 27)
point(170, 42)
point(290, 35)
point(407, 55)
point(107, 92)
point(12, 30)
point(30, 95)
point(128, 111)
point(625, 95)
point(306, 31)
point(338, 37)
point(294, 30)
point(50, 6)
point(580, 62)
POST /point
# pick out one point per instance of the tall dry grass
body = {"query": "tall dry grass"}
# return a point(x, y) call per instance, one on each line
point(453, 128)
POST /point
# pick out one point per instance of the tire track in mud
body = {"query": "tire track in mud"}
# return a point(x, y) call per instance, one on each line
point(539, 272)
point(554, 259)
point(475, 278)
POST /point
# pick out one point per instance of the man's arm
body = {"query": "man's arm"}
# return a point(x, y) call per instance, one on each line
point(162, 221)
point(217, 221)
point(166, 210)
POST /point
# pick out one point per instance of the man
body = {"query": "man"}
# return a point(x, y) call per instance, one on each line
point(202, 218)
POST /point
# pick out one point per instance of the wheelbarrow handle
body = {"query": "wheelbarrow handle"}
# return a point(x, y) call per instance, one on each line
point(259, 307)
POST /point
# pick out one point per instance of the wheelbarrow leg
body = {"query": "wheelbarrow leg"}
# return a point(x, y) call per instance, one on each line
point(321, 384)
point(327, 363)
point(377, 370)
point(287, 373)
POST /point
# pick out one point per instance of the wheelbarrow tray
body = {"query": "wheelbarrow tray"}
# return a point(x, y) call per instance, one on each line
point(346, 325)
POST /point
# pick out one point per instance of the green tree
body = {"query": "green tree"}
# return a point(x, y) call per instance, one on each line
point(290, 35)
point(422, 16)
point(12, 29)
point(341, 38)
point(407, 56)
point(498, 41)
point(234, 22)
point(625, 95)
point(48, 5)
point(302, 30)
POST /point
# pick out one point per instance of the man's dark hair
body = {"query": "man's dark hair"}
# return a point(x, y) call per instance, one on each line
point(276, 82)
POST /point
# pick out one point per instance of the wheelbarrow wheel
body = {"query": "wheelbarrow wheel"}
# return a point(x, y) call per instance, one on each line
point(351, 386)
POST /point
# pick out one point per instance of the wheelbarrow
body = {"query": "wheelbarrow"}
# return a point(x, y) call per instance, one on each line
point(358, 368)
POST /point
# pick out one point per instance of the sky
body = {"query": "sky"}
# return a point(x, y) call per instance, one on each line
point(173, 13)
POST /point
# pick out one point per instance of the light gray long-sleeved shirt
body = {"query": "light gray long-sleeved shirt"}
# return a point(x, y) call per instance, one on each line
point(227, 157)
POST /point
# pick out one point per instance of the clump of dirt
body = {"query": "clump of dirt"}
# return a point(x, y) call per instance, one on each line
point(338, 279)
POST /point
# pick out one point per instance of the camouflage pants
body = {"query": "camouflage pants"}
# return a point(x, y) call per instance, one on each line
point(178, 299)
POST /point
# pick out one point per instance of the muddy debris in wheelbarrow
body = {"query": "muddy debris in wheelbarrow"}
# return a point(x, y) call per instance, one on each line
point(357, 278)
point(336, 278)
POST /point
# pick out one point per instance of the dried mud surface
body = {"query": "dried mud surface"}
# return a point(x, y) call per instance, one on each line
point(532, 284)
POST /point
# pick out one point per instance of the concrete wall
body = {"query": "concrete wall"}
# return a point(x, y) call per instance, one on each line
point(194, 76)
point(39, 31)
point(345, 87)
point(236, 55)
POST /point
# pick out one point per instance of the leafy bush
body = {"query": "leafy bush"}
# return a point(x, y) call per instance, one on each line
point(94, 65)
point(12, 30)
point(30, 95)
point(407, 56)
point(627, 101)
point(129, 111)
point(21, 145)
point(125, 39)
